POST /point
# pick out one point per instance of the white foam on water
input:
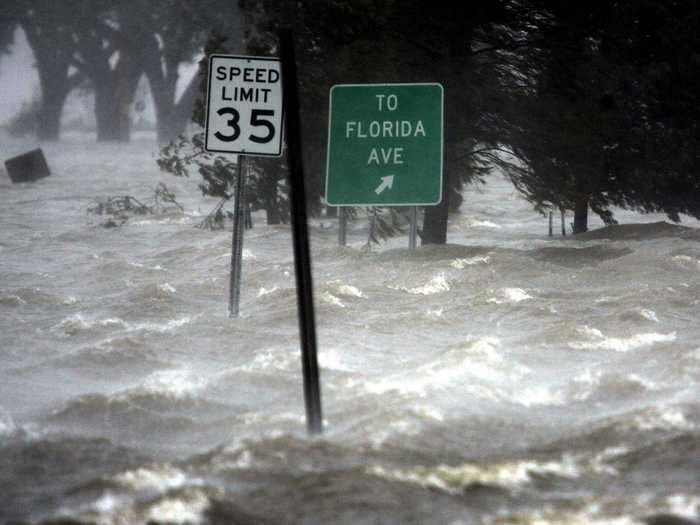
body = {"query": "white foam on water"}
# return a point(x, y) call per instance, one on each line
point(454, 479)
point(160, 478)
point(600, 462)
point(551, 516)
point(648, 314)
point(589, 381)
point(244, 461)
point(330, 359)
point(246, 255)
point(184, 510)
point(70, 300)
point(682, 258)
point(107, 503)
point(11, 299)
point(585, 383)
point(510, 296)
point(78, 323)
point(684, 505)
point(460, 264)
point(434, 313)
point(648, 384)
point(475, 223)
point(438, 284)
point(686, 262)
point(540, 396)
point(329, 298)
point(175, 384)
point(479, 358)
point(618, 344)
point(267, 291)
point(160, 327)
point(663, 419)
point(605, 299)
point(349, 290)
point(167, 287)
point(264, 360)
point(429, 412)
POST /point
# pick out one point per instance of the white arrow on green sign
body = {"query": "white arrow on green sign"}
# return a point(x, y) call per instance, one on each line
point(385, 144)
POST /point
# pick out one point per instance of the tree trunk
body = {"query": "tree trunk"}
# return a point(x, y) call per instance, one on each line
point(49, 118)
point(435, 219)
point(52, 52)
point(108, 120)
point(163, 93)
point(185, 106)
point(273, 210)
point(172, 118)
point(581, 213)
point(114, 93)
point(55, 85)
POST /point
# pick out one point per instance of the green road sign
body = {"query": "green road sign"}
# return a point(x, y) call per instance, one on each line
point(385, 145)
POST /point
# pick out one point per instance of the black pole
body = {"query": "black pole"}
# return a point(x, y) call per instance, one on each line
point(300, 235)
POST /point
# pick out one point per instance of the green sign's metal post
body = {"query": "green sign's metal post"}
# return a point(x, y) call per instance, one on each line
point(413, 231)
point(300, 234)
point(342, 226)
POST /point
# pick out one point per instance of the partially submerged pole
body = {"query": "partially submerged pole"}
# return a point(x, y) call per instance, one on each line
point(413, 231)
point(300, 234)
point(237, 241)
point(551, 215)
point(342, 226)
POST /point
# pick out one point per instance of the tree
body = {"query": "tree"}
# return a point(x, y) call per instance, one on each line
point(8, 24)
point(109, 52)
point(659, 48)
point(48, 27)
point(176, 31)
point(567, 119)
point(591, 131)
point(466, 47)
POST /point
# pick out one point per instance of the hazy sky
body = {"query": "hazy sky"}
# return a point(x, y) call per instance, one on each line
point(18, 78)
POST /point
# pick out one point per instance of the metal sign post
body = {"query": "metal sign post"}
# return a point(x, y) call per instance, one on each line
point(300, 234)
point(237, 241)
point(243, 115)
point(413, 231)
point(342, 227)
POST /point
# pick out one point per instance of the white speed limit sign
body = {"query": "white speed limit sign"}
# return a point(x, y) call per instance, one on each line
point(244, 105)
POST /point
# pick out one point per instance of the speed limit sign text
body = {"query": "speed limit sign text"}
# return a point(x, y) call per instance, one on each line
point(244, 105)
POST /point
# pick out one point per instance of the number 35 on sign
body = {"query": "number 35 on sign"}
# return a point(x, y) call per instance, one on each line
point(244, 106)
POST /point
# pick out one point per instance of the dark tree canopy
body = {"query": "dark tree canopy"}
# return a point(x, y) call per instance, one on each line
point(585, 105)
